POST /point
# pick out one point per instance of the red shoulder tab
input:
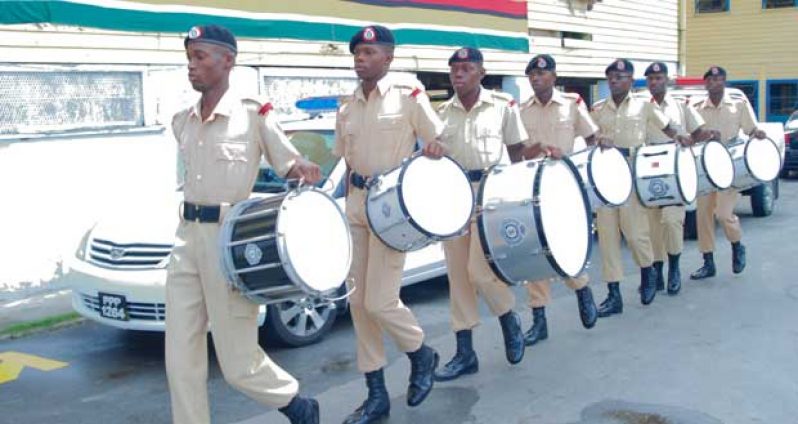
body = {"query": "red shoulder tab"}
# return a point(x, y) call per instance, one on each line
point(264, 110)
point(578, 99)
point(687, 100)
point(415, 92)
point(653, 100)
point(512, 103)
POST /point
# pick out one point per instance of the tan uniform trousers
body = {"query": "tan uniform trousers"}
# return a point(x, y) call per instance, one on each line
point(196, 295)
point(667, 231)
point(720, 205)
point(631, 220)
point(540, 291)
point(376, 275)
point(469, 274)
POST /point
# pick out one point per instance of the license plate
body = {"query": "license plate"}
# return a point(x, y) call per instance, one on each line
point(113, 306)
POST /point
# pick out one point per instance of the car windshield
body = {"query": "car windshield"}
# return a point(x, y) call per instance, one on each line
point(314, 145)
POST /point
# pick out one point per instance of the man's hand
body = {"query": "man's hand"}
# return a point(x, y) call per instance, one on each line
point(684, 140)
point(758, 133)
point(306, 170)
point(434, 149)
point(553, 152)
point(713, 135)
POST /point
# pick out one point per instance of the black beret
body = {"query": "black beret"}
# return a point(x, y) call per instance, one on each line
point(466, 54)
point(213, 34)
point(657, 68)
point(373, 34)
point(715, 71)
point(541, 61)
point(620, 65)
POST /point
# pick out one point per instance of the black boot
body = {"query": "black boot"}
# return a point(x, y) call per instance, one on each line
point(422, 368)
point(706, 271)
point(648, 285)
point(613, 304)
point(674, 275)
point(738, 257)
point(658, 265)
point(302, 411)
point(587, 307)
point(464, 361)
point(539, 331)
point(513, 337)
point(377, 405)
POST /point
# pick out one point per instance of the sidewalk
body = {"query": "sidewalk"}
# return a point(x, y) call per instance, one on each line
point(35, 307)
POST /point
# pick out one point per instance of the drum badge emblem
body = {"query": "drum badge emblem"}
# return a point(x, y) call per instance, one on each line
point(117, 253)
point(386, 210)
point(252, 254)
point(658, 187)
point(513, 232)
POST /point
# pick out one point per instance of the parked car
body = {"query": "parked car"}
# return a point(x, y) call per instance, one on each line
point(762, 197)
point(790, 145)
point(121, 262)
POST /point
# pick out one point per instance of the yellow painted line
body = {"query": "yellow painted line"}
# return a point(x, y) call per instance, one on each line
point(12, 364)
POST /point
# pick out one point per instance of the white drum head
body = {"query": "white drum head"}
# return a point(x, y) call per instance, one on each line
point(316, 239)
point(564, 217)
point(688, 174)
point(763, 159)
point(718, 164)
point(611, 175)
point(437, 195)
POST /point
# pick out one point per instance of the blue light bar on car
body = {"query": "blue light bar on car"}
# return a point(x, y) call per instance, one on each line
point(318, 104)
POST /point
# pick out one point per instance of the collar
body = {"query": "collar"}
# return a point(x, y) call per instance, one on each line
point(225, 106)
point(611, 102)
point(484, 97)
point(383, 85)
point(726, 99)
point(667, 100)
point(556, 97)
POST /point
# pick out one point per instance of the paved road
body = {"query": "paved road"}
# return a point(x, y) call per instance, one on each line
point(723, 351)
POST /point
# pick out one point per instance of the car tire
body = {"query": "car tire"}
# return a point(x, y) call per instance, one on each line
point(690, 226)
point(763, 198)
point(299, 322)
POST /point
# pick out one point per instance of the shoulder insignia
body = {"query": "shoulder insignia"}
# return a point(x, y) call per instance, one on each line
point(596, 106)
point(415, 92)
point(265, 109)
point(512, 103)
point(578, 99)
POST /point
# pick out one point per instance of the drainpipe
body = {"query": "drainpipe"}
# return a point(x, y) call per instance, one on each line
point(682, 32)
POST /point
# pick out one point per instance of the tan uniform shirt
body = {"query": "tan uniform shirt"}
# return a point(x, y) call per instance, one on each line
point(558, 122)
point(222, 155)
point(374, 135)
point(729, 117)
point(476, 139)
point(683, 116)
point(626, 124)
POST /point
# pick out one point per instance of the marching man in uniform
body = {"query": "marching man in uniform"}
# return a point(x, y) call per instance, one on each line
point(376, 129)
point(553, 120)
point(727, 116)
point(480, 127)
point(222, 139)
point(667, 223)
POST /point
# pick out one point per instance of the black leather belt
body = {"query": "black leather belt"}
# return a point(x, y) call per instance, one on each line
point(200, 213)
point(358, 180)
point(625, 151)
point(475, 175)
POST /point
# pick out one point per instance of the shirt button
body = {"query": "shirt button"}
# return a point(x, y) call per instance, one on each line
point(200, 143)
point(199, 177)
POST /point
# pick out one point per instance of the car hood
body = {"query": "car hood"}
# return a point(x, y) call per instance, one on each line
point(152, 221)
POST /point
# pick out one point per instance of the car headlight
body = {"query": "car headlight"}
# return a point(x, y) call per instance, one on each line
point(82, 251)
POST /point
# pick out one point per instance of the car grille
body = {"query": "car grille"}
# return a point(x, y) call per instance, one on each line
point(136, 310)
point(128, 256)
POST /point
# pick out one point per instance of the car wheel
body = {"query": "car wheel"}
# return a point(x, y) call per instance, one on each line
point(763, 199)
point(690, 228)
point(298, 322)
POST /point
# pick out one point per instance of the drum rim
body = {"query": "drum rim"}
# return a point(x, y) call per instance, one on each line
point(482, 232)
point(226, 260)
point(745, 158)
point(679, 151)
point(285, 261)
point(544, 242)
point(704, 165)
point(601, 197)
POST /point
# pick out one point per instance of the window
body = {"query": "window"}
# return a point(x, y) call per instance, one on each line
point(314, 145)
point(782, 99)
point(711, 6)
point(751, 90)
point(775, 4)
point(58, 101)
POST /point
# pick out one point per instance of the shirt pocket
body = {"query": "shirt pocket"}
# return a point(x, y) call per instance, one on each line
point(233, 152)
point(633, 128)
point(389, 123)
point(490, 144)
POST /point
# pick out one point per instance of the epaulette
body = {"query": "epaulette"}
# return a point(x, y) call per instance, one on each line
point(265, 109)
point(503, 97)
point(414, 91)
point(598, 104)
point(573, 96)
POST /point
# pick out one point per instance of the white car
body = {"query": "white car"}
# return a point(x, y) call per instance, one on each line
point(118, 274)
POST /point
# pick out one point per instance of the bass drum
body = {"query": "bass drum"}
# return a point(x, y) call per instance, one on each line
point(665, 175)
point(714, 165)
point(605, 174)
point(756, 161)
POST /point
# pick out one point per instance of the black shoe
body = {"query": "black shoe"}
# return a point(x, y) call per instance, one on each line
point(538, 331)
point(377, 405)
point(302, 411)
point(464, 362)
point(587, 307)
point(648, 285)
point(422, 368)
point(658, 265)
point(513, 337)
point(707, 270)
point(738, 257)
point(674, 275)
point(613, 304)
